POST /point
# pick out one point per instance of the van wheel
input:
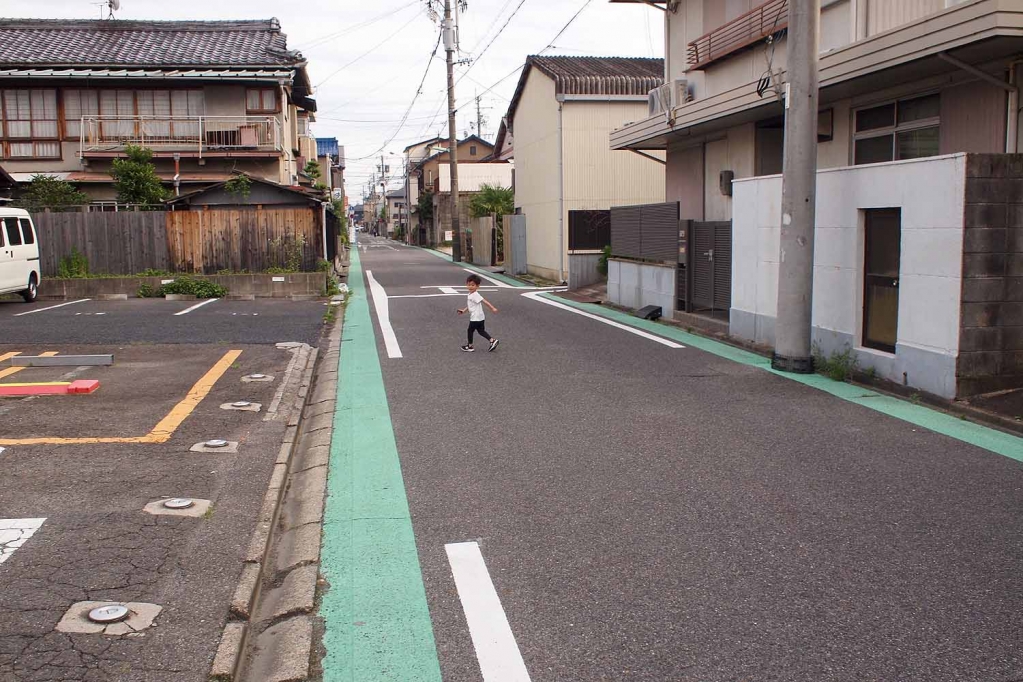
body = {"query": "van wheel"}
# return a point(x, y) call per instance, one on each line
point(32, 292)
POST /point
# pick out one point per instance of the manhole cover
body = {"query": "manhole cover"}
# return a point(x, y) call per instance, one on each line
point(179, 503)
point(241, 403)
point(257, 376)
point(112, 613)
point(216, 443)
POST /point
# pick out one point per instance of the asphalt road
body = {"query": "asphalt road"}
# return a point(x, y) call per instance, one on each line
point(96, 542)
point(655, 513)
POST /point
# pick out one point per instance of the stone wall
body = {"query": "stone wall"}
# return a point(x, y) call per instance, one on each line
point(991, 334)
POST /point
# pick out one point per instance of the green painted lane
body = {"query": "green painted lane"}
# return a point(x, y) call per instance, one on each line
point(377, 623)
point(990, 439)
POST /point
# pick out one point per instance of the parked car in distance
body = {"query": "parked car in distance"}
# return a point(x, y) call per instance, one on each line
point(19, 254)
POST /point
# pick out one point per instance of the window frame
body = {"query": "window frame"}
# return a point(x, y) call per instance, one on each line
point(6, 140)
point(28, 236)
point(276, 95)
point(894, 130)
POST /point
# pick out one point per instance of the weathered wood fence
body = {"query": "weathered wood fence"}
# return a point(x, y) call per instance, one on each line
point(125, 243)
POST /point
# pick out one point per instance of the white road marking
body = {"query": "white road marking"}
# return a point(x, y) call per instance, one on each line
point(196, 306)
point(500, 284)
point(496, 650)
point(59, 305)
point(383, 316)
point(426, 295)
point(14, 533)
point(535, 296)
point(447, 290)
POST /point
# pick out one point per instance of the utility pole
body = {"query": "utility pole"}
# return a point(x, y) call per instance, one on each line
point(792, 352)
point(479, 117)
point(448, 32)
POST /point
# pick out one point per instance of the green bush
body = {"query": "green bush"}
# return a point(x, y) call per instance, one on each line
point(152, 272)
point(838, 366)
point(602, 263)
point(148, 291)
point(74, 266)
point(200, 288)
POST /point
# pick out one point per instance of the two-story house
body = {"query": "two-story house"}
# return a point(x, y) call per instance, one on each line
point(208, 97)
point(915, 264)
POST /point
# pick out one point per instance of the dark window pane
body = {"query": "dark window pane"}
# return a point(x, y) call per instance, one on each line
point(883, 238)
point(13, 233)
point(26, 231)
point(874, 149)
point(915, 144)
point(877, 117)
point(919, 109)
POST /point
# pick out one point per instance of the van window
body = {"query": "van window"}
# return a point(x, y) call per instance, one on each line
point(26, 231)
point(13, 233)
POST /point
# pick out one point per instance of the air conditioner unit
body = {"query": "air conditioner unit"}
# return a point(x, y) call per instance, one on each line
point(664, 99)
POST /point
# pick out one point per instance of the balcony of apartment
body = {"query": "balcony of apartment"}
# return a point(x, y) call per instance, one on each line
point(738, 34)
point(189, 136)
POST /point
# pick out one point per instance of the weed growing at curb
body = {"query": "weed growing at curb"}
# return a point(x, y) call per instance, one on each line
point(838, 366)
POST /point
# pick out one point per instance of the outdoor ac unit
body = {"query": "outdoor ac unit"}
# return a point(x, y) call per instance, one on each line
point(664, 99)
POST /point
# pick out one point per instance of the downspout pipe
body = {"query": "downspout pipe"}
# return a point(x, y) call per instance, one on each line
point(561, 194)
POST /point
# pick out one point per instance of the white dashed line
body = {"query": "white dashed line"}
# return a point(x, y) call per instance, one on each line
point(59, 305)
point(496, 650)
point(196, 306)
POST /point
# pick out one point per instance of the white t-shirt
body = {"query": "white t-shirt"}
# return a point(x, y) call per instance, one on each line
point(475, 306)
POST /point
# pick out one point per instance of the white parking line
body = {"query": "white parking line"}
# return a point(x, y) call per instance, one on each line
point(535, 296)
point(59, 305)
point(496, 650)
point(447, 290)
point(383, 316)
point(14, 533)
point(196, 306)
point(498, 283)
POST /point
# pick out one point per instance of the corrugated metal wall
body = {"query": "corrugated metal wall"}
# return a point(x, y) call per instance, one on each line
point(647, 232)
point(885, 14)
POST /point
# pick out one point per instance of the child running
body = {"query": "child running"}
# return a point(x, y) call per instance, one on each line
point(477, 320)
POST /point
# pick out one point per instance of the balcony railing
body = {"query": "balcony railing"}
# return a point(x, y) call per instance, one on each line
point(201, 134)
point(738, 34)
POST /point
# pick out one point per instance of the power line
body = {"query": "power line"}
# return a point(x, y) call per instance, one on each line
point(419, 91)
point(316, 42)
point(371, 50)
point(565, 27)
point(497, 18)
point(498, 35)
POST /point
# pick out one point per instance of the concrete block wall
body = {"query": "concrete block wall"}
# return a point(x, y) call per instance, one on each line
point(631, 284)
point(991, 333)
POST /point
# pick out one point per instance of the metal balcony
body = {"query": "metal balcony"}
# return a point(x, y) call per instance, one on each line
point(187, 134)
point(738, 34)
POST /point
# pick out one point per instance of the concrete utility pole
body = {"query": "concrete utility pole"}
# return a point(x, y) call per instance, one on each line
point(792, 331)
point(448, 31)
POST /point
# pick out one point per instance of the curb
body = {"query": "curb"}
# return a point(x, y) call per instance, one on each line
point(275, 599)
point(234, 638)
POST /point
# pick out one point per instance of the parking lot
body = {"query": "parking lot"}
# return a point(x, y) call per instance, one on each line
point(79, 471)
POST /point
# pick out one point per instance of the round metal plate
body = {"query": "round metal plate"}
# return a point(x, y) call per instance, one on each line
point(179, 503)
point(257, 376)
point(241, 403)
point(112, 613)
point(216, 443)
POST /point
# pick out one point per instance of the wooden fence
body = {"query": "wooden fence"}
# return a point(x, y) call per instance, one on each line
point(245, 239)
point(207, 242)
point(121, 243)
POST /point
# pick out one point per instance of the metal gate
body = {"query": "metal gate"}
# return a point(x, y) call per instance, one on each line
point(515, 244)
point(710, 259)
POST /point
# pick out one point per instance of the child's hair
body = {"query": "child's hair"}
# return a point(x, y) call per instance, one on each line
point(475, 279)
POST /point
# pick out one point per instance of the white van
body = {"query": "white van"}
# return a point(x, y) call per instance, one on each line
point(19, 254)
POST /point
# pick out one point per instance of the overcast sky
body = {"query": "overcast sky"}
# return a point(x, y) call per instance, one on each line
point(366, 58)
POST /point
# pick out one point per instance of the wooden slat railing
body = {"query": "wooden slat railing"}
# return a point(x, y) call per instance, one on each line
point(738, 34)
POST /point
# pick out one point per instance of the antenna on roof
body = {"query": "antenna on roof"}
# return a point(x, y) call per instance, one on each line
point(114, 5)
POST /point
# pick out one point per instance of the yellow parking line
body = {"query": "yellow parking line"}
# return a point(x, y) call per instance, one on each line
point(14, 370)
point(162, 432)
point(8, 356)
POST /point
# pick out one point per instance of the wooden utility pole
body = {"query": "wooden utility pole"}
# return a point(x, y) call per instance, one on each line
point(448, 32)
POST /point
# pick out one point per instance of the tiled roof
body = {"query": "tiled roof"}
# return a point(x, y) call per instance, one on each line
point(593, 76)
point(144, 43)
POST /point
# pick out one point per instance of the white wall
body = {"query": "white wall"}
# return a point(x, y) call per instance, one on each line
point(931, 194)
point(472, 176)
point(635, 285)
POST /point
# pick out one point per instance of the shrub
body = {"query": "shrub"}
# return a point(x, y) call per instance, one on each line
point(200, 288)
point(74, 266)
point(153, 272)
point(602, 263)
point(838, 366)
point(148, 291)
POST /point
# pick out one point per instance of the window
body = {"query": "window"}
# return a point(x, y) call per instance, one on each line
point(261, 100)
point(906, 129)
point(27, 119)
point(472, 150)
point(77, 104)
point(13, 233)
point(26, 231)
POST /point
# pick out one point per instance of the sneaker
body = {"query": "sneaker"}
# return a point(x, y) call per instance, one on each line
point(468, 349)
point(493, 344)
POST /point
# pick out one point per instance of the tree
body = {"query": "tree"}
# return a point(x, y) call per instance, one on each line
point(240, 185)
point(312, 169)
point(46, 191)
point(492, 200)
point(426, 205)
point(135, 178)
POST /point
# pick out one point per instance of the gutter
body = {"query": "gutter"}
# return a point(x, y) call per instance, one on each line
point(561, 193)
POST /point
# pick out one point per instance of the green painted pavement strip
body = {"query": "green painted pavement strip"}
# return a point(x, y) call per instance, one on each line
point(377, 623)
point(981, 436)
